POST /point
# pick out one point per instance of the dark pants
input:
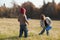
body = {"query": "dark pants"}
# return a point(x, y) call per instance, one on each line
point(23, 28)
point(47, 31)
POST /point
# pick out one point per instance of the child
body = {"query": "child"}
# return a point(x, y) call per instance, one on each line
point(23, 20)
point(45, 24)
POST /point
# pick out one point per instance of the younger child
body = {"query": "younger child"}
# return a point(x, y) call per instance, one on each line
point(45, 24)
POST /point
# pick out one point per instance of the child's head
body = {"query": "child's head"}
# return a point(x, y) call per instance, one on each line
point(22, 10)
point(42, 17)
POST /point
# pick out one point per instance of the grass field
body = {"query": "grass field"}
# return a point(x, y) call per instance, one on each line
point(9, 30)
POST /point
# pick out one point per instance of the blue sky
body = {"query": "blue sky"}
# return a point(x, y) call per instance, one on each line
point(37, 3)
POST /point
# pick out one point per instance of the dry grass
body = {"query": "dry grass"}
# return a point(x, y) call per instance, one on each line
point(9, 30)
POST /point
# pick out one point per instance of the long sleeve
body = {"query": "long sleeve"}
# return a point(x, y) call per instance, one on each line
point(48, 20)
point(42, 24)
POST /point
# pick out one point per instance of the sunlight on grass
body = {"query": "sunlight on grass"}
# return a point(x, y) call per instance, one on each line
point(9, 30)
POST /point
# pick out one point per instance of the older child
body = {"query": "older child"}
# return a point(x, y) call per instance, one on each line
point(23, 20)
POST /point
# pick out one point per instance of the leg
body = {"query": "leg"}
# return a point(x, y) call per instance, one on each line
point(47, 32)
point(21, 32)
point(42, 31)
point(47, 29)
point(25, 31)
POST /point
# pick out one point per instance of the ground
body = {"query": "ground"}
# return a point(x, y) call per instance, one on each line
point(9, 30)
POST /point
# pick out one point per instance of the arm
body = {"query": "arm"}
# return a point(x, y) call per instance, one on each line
point(26, 19)
point(18, 19)
point(48, 20)
point(42, 24)
point(27, 22)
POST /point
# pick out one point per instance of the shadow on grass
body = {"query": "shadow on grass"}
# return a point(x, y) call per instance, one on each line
point(10, 38)
point(13, 38)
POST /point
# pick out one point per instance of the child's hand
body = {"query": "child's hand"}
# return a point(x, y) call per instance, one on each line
point(27, 23)
point(18, 20)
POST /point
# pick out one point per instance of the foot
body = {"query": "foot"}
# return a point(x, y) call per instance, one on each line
point(40, 34)
point(25, 37)
point(19, 36)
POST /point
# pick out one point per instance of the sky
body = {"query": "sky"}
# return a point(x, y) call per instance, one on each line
point(37, 3)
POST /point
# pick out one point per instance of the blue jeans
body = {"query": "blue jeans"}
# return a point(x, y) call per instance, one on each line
point(47, 28)
point(47, 32)
point(23, 28)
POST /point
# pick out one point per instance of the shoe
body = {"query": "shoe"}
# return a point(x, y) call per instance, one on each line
point(19, 36)
point(40, 34)
point(25, 36)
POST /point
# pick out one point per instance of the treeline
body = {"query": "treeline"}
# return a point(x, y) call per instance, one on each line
point(50, 9)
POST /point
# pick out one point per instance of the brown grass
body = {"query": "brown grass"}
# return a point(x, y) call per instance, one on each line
point(9, 30)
